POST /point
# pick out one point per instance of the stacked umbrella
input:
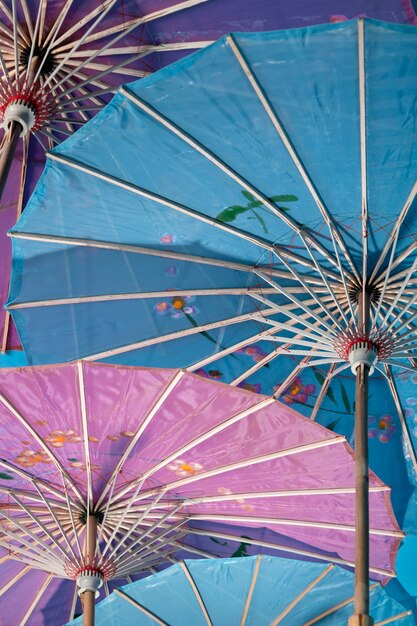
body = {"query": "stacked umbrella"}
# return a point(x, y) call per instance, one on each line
point(283, 295)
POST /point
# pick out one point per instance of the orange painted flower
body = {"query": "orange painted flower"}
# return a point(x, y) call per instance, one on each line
point(28, 458)
point(182, 468)
point(57, 438)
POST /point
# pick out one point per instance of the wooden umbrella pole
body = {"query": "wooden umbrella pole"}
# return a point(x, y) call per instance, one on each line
point(7, 153)
point(361, 615)
point(88, 597)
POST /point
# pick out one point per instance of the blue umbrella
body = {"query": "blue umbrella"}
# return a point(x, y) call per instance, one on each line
point(247, 213)
point(253, 591)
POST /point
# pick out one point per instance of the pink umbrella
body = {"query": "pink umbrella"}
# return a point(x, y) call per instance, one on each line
point(105, 468)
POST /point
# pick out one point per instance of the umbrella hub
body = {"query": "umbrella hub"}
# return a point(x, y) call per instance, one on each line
point(90, 578)
point(359, 348)
point(30, 107)
point(363, 351)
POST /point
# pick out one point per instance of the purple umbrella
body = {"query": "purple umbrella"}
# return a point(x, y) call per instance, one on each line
point(108, 472)
point(59, 63)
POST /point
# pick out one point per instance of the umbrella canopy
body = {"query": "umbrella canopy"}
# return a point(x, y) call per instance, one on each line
point(257, 591)
point(110, 471)
point(249, 271)
point(83, 51)
point(248, 212)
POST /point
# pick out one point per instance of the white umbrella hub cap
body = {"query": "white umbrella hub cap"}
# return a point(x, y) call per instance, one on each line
point(29, 107)
point(90, 578)
point(359, 348)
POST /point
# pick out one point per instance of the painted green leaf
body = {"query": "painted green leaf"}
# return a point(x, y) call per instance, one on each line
point(319, 376)
point(242, 550)
point(345, 397)
point(74, 460)
point(249, 196)
point(285, 198)
point(331, 396)
point(231, 213)
point(6, 476)
point(332, 425)
point(261, 221)
point(221, 543)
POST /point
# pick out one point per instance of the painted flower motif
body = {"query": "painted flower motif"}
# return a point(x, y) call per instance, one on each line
point(255, 387)
point(297, 392)
point(182, 468)
point(177, 307)
point(381, 428)
point(225, 491)
point(93, 439)
point(171, 270)
point(57, 438)
point(215, 374)
point(29, 458)
point(127, 433)
point(411, 401)
point(76, 464)
point(113, 437)
point(335, 19)
point(167, 239)
point(255, 352)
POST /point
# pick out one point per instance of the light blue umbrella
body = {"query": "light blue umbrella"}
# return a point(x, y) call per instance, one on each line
point(247, 213)
point(251, 591)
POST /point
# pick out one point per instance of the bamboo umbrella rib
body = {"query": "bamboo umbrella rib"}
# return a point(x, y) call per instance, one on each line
point(84, 426)
point(363, 147)
point(196, 592)
point(36, 599)
point(230, 172)
point(235, 347)
point(251, 588)
point(403, 422)
point(154, 197)
point(153, 410)
point(238, 464)
point(393, 237)
point(284, 548)
point(15, 30)
point(400, 258)
point(103, 68)
point(40, 524)
point(107, 245)
point(300, 304)
point(393, 618)
point(102, 11)
point(237, 417)
point(127, 26)
point(140, 295)
point(177, 335)
point(146, 49)
point(33, 45)
point(400, 291)
point(132, 527)
point(108, 69)
point(8, 405)
point(30, 552)
point(145, 533)
point(34, 480)
point(42, 23)
point(335, 608)
point(323, 391)
point(192, 550)
point(381, 532)
point(301, 595)
point(313, 294)
point(140, 607)
point(14, 580)
point(273, 116)
point(45, 548)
